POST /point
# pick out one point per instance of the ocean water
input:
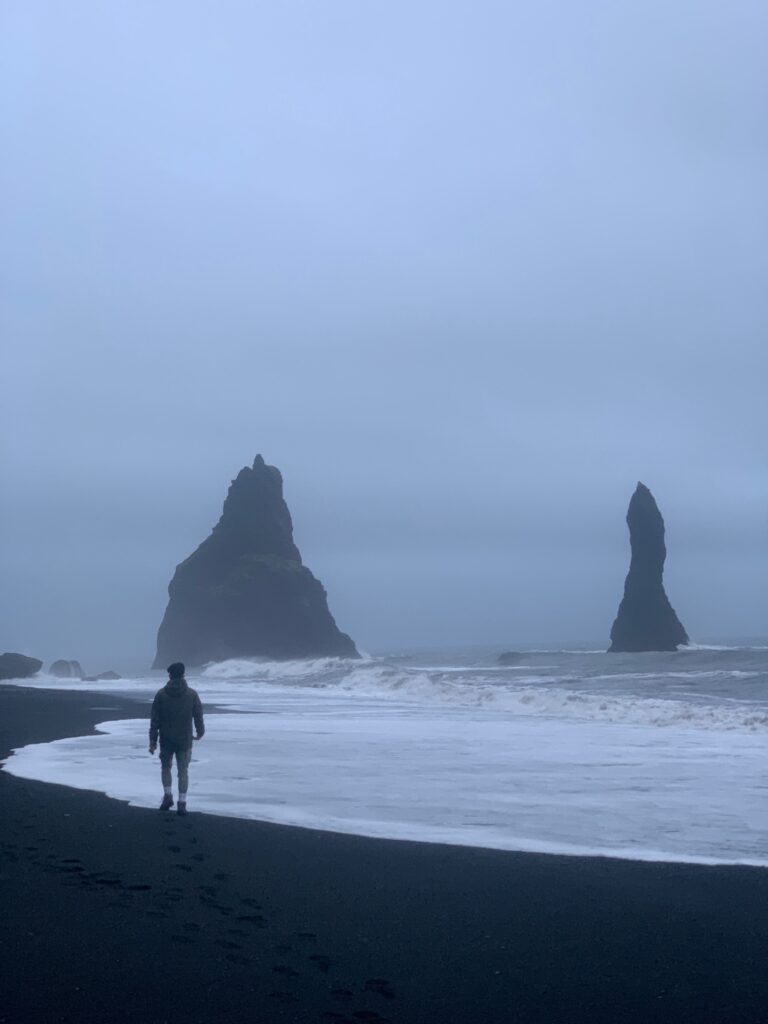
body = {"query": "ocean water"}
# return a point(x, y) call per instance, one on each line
point(569, 751)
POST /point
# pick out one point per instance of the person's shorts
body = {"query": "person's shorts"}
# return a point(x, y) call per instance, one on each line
point(167, 752)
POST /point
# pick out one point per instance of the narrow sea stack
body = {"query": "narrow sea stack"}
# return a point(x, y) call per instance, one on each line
point(244, 593)
point(646, 621)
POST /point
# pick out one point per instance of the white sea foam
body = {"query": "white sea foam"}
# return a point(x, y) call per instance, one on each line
point(629, 697)
point(242, 668)
point(475, 779)
point(648, 757)
point(691, 647)
point(528, 697)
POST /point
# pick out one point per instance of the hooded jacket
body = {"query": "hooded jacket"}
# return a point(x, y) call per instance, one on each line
point(174, 709)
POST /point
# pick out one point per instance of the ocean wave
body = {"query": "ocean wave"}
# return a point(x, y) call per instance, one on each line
point(638, 711)
point(692, 674)
point(125, 685)
point(523, 651)
point(693, 648)
point(714, 698)
point(528, 697)
point(249, 669)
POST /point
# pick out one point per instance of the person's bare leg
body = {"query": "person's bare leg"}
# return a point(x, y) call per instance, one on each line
point(182, 768)
point(165, 775)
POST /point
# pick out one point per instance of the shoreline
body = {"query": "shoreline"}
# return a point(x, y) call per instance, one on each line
point(251, 770)
point(111, 910)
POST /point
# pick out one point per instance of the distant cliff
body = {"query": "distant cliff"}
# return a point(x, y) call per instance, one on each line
point(245, 592)
point(646, 621)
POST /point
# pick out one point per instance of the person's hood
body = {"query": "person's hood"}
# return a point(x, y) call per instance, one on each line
point(176, 687)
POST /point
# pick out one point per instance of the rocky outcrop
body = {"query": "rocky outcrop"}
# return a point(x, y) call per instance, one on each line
point(63, 669)
point(244, 593)
point(18, 666)
point(108, 676)
point(646, 621)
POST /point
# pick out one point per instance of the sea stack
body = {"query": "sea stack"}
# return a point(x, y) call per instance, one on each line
point(18, 666)
point(64, 669)
point(244, 593)
point(646, 621)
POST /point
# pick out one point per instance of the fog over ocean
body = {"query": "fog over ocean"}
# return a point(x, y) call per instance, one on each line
point(465, 273)
point(571, 751)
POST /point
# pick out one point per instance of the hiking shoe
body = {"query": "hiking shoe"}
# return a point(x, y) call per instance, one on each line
point(182, 808)
point(167, 803)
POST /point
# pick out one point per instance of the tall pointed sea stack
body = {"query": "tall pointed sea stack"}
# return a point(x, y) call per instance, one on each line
point(646, 621)
point(244, 592)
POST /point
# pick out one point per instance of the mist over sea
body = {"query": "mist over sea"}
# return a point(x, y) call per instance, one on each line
point(566, 750)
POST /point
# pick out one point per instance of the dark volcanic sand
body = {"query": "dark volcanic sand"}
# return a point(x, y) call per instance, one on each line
point(110, 914)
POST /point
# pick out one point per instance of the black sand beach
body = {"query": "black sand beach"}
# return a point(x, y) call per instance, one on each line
point(112, 914)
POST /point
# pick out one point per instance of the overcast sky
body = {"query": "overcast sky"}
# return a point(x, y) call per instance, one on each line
point(465, 272)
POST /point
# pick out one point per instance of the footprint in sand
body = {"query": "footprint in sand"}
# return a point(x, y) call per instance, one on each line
point(210, 901)
point(283, 997)
point(98, 880)
point(323, 962)
point(237, 958)
point(381, 986)
point(253, 919)
point(284, 969)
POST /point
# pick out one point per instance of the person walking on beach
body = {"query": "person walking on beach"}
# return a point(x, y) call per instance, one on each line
point(174, 709)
